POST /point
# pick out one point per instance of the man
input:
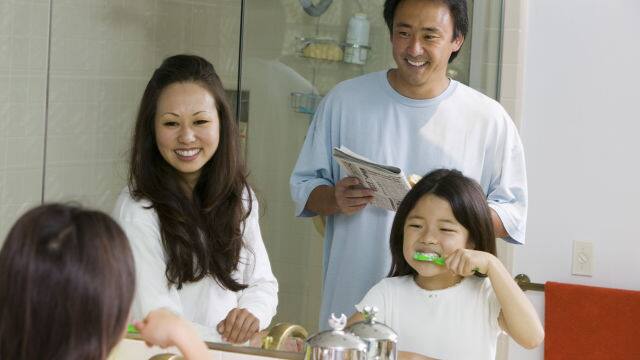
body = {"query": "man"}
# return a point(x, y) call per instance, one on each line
point(413, 117)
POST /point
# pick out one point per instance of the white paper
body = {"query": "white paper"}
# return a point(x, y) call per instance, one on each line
point(388, 182)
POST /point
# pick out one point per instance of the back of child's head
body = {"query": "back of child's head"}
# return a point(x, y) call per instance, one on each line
point(468, 204)
point(67, 280)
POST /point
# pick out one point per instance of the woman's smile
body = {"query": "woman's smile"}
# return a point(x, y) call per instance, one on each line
point(187, 154)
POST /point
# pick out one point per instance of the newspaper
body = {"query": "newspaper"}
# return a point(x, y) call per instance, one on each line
point(388, 182)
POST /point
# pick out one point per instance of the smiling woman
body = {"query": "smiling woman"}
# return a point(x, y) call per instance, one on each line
point(191, 217)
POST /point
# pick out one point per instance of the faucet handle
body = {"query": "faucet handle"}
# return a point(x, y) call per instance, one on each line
point(369, 313)
point(278, 336)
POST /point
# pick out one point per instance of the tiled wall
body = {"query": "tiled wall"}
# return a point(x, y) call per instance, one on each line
point(512, 67)
point(23, 59)
point(511, 85)
point(102, 55)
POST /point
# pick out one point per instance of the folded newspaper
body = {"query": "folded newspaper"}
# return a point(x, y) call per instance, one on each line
point(388, 182)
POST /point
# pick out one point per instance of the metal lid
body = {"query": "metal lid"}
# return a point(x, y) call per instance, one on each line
point(337, 338)
point(369, 329)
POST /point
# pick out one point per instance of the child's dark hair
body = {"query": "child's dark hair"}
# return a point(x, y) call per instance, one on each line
point(67, 280)
point(468, 204)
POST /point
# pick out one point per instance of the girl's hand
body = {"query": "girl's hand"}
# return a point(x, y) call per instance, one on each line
point(163, 328)
point(239, 326)
point(465, 262)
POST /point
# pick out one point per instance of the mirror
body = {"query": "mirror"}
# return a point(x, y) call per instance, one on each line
point(74, 71)
point(284, 83)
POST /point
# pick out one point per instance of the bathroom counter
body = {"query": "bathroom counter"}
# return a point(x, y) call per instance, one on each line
point(132, 347)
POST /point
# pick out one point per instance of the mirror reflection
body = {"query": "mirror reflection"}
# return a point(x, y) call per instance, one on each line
point(277, 71)
point(77, 102)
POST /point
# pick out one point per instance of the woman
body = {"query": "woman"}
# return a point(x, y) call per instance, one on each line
point(190, 216)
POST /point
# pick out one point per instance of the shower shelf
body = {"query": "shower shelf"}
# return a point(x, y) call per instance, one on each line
point(305, 103)
point(325, 49)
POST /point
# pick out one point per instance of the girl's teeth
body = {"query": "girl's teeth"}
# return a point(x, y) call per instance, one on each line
point(429, 254)
point(187, 153)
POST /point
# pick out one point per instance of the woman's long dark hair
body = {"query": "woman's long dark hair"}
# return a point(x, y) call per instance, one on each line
point(201, 233)
point(67, 280)
point(469, 206)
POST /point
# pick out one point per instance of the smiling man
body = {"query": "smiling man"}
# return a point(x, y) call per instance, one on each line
point(414, 117)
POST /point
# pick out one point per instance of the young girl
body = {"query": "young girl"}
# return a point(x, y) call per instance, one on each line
point(66, 285)
point(447, 295)
point(189, 214)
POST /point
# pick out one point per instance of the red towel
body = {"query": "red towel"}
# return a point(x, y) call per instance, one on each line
point(585, 322)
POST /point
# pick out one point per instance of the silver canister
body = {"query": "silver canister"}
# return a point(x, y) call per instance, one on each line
point(335, 344)
point(381, 340)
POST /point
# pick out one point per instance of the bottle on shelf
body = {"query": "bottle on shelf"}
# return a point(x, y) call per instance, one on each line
point(357, 40)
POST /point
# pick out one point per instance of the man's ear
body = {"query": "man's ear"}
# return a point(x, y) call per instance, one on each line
point(457, 43)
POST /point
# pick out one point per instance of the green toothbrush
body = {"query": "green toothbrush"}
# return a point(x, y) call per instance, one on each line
point(420, 256)
point(132, 329)
point(439, 260)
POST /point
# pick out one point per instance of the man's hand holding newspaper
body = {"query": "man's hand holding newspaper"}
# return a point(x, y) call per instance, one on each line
point(388, 183)
point(351, 196)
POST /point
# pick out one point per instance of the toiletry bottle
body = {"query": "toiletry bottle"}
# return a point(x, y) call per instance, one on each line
point(357, 41)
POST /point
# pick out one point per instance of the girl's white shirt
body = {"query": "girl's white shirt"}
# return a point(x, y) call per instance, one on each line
point(459, 322)
point(204, 303)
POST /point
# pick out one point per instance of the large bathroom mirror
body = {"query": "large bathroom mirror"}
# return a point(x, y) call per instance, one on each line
point(72, 73)
point(285, 82)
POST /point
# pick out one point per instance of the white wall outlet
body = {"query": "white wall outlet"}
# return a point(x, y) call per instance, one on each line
point(582, 258)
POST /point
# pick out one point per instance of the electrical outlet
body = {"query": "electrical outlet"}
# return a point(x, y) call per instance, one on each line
point(582, 258)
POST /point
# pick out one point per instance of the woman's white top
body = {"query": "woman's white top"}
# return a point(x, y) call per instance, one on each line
point(459, 322)
point(205, 303)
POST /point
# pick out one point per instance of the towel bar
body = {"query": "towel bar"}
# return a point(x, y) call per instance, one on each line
point(525, 283)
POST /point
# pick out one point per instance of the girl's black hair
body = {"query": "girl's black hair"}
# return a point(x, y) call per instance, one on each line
point(469, 206)
point(67, 280)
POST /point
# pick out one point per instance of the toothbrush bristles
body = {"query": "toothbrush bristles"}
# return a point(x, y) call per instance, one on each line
point(420, 256)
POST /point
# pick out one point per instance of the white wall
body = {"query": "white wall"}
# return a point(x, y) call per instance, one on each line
point(581, 135)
